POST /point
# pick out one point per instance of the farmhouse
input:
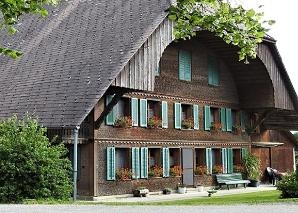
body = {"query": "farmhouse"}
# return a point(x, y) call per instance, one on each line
point(150, 111)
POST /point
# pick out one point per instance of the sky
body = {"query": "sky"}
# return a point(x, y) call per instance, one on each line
point(285, 30)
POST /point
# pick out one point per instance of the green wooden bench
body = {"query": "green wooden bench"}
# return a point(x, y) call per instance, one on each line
point(231, 179)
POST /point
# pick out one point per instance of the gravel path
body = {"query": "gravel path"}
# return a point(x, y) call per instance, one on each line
point(275, 208)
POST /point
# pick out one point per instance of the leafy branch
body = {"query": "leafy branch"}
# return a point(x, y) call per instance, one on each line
point(234, 24)
point(11, 10)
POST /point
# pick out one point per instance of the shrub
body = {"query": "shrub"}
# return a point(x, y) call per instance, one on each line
point(30, 166)
point(251, 166)
point(288, 186)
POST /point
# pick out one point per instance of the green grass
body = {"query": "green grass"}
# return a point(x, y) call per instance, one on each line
point(247, 198)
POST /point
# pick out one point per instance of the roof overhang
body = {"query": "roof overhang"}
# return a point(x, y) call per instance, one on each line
point(265, 144)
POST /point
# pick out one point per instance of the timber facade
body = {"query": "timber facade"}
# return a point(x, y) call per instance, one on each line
point(151, 111)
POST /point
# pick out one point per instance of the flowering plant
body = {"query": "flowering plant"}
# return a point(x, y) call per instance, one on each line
point(238, 168)
point(123, 174)
point(123, 121)
point(155, 171)
point(154, 122)
point(175, 171)
point(217, 169)
point(215, 126)
point(201, 170)
point(187, 123)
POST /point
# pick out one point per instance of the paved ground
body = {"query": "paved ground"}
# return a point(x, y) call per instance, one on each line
point(271, 208)
point(279, 208)
point(190, 194)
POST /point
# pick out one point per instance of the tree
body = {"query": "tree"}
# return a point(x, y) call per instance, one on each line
point(296, 135)
point(234, 24)
point(11, 10)
point(30, 166)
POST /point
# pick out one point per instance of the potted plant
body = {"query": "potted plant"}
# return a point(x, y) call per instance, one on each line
point(251, 167)
point(123, 121)
point(140, 192)
point(201, 170)
point(187, 123)
point(217, 169)
point(154, 122)
point(155, 171)
point(181, 188)
point(123, 174)
point(175, 171)
point(167, 191)
point(237, 130)
point(215, 127)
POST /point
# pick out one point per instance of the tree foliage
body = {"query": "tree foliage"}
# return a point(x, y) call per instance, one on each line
point(30, 166)
point(234, 24)
point(11, 10)
point(288, 186)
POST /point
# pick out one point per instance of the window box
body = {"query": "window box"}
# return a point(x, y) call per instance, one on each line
point(123, 121)
point(154, 122)
point(123, 174)
point(187, 123)
point(175, 171)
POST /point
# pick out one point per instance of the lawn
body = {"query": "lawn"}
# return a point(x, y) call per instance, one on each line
point(247, 198)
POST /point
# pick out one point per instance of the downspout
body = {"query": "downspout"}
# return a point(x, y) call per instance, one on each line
point(75, 162)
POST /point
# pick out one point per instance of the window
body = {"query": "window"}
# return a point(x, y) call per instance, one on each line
point(226, 119)
point(153, 113)
point(216, 161)
point(213, 72)
point(200, 162)
point(184, 65)
point(186, 116)
point(127, 163)
point(212, 121)
point(120, 110)
point(227, 160)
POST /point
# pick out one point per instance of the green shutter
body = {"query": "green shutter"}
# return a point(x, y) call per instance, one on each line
point(230, 160)
point(177, 115)
point(144, 162)
point(166, 162)
point(196, 120)
point(143, 112)
point(207, 116)
point(244, 152)
point(224, 160)
point(134, 112)
point(209, 160)
point(229, 119)
point(223, 119)
point(184, 65)
point(213, 74)
point(164, 114)
point(111, 117)
point(157, 70)
point(111, 164)
point(242, 119)
point(135, 162)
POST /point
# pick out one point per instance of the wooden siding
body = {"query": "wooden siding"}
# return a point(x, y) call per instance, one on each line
point(281, 93)
point(139, 72)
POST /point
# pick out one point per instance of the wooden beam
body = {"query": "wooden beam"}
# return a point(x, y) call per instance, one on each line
point(109, 107)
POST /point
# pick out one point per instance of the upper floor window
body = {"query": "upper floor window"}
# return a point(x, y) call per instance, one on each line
point(120, 111)
point(186, 116)
point(213, 72)
point(184, 65)
point(212, 121)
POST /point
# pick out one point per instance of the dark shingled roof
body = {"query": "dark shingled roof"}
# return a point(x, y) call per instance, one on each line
point(71, 57)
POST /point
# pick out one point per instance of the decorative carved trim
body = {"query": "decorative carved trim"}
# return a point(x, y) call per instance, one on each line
point(172, 143)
